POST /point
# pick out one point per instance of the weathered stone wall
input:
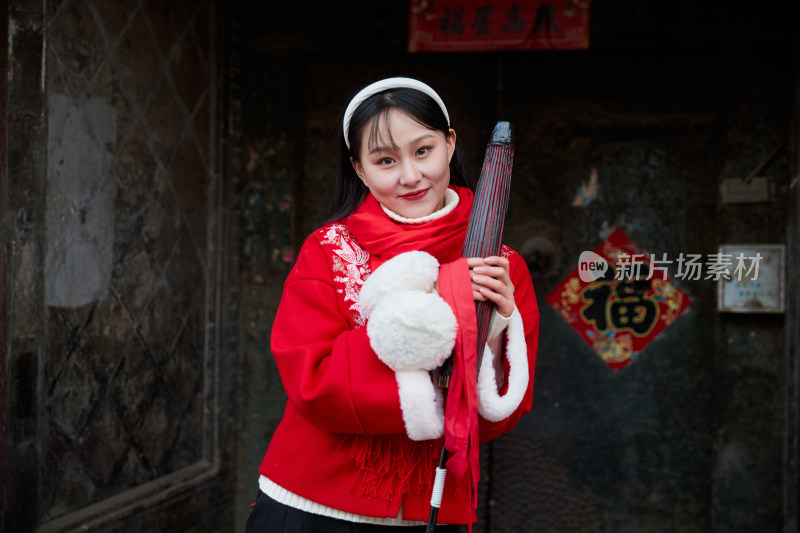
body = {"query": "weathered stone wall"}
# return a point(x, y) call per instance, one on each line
point(117, 244)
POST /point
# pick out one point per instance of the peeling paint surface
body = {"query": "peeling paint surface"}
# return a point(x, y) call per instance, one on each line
point(80, 200)
point(587, 192)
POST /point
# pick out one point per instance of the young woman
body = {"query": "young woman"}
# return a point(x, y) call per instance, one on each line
point(364, 322)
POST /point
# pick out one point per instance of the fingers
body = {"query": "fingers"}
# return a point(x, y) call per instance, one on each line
point(492, 271)
point(493, 260)
point(493, 266)
point(503, 301)
point(500, 285)
point(491, 281)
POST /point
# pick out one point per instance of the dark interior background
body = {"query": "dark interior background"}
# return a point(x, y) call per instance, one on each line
point(670, 98)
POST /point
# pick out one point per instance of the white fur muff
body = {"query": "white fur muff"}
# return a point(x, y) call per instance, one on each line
point(412, 330)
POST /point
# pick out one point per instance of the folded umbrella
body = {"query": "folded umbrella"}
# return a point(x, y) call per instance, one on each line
point(459, 375)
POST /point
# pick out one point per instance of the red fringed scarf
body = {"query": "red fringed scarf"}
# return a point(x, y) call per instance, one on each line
point(444, 239)
point(384, 238)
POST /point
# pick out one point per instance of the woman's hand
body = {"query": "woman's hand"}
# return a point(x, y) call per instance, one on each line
point(491, 281)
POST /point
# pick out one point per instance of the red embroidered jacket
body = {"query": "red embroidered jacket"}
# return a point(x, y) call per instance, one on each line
point(342, 440)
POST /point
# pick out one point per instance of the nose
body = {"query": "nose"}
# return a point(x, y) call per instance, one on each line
point(410, 174)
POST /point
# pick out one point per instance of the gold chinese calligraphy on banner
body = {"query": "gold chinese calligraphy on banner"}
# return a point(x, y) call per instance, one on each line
point(480, 25)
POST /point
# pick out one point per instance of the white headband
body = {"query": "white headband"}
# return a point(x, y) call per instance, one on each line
point(382, 85)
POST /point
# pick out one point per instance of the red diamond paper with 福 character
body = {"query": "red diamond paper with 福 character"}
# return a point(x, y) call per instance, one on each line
point(619, 314)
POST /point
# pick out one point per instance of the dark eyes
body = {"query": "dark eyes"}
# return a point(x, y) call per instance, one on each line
point(421, 152)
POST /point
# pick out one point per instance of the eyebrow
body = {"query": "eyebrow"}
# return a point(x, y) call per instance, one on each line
point(377, 149)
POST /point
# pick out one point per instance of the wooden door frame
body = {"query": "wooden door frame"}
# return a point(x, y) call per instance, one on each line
point(4, 241)
point(791, 452)
point(24, 143)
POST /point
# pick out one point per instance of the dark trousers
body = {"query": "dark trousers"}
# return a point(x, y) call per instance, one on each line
point(269, 516)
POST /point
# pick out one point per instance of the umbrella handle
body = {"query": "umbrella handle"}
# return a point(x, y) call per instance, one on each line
point(438, 491)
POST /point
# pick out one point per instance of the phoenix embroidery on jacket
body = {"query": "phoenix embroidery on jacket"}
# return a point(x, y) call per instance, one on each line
point(350, 268)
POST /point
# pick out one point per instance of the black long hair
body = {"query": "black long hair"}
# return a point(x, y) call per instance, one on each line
point(350, 190)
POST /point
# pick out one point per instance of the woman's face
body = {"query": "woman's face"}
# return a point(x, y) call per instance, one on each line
point(410, 175)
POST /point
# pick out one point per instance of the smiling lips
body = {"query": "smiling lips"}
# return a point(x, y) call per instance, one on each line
point(416, 195)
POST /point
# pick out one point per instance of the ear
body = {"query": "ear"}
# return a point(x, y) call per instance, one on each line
point(358, 168)
point(451, 144)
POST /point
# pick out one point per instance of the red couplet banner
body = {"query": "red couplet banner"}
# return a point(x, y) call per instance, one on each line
point(482, 25)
